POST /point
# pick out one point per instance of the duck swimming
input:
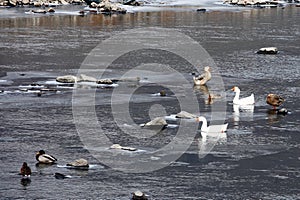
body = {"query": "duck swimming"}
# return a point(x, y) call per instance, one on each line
point(244, 101)
point(203, 78)
point(274, 100)
point(212, 130)
point(25, 170)
point(42, 157)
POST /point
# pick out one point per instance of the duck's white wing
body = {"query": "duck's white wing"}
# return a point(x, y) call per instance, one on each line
point(47, 158)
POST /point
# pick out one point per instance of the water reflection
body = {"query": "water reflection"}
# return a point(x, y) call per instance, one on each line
point(242, 112)
point(209, 97)
point(25, 182)
point(40, 166)
point(206, 145)
point(165, 18)
point(273, 116)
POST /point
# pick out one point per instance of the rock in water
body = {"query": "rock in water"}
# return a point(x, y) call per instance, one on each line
point(162, 93)
point(268, 50)
point(117, 146)
point(60, 176)
point(79, 163)
point(184, 114)
point(158, 121)
point(66, 79)
point(104, 81)
point(138, 195)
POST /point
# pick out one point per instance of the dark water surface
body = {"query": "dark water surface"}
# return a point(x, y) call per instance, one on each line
point(260, 159)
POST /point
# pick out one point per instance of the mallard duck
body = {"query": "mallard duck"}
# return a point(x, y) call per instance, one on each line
point(244, 101)
point(274, 100)
point(42, 157)
point(25, 170)
point(203, 78)
point(212, 130)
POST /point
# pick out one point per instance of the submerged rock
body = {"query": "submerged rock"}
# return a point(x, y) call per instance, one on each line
point(60, 176)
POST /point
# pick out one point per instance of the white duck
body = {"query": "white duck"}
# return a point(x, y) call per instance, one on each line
point(244, 101)
point(203, 78)
point(212, 130)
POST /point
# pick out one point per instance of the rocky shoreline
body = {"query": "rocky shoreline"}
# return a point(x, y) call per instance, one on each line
point(259, 3)
point(39, 3)
point(103, 6)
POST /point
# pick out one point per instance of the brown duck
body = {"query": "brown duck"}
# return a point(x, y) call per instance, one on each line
point(25, 170)
point(274, 100)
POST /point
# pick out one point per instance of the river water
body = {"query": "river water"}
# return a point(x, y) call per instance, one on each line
point(259, 159)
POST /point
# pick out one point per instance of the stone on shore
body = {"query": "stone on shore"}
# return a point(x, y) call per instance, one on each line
point(108, 7)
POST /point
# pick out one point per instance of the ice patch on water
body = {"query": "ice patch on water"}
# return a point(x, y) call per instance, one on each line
point(71, 85)
point(91, 166)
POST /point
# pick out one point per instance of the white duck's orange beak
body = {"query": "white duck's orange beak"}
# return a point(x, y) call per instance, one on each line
point(232, 89)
